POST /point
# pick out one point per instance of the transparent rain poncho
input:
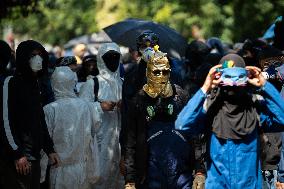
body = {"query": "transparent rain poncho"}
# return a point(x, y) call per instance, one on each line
point(73, 123)
point(110, 89)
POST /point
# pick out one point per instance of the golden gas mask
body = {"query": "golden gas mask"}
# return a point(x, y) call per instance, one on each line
point(158, 72)
point(158, 75)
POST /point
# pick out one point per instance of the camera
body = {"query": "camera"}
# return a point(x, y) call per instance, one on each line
point(272, 72)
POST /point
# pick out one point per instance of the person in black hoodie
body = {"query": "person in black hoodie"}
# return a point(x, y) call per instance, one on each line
point(23, 129)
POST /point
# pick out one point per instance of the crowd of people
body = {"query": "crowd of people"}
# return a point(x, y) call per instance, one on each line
point(212, 120)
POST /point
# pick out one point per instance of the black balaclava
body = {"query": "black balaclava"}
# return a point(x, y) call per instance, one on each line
point(111, 60)
point(232, 112)
point(5, 55)
point(23, 55)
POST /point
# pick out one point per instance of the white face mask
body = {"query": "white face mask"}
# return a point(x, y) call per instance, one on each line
point(36, 63)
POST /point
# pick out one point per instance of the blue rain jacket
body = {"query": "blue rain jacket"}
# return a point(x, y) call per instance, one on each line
point(233, 164)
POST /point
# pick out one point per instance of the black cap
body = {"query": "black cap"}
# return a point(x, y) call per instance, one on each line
point(238, 61)
point(89, 58)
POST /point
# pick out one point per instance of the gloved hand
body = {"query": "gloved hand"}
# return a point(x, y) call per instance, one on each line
point(199, 182)
point(130, 186)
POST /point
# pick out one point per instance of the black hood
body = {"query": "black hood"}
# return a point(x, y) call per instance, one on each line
point(23, 54)
point(195, 53)
point(5, 55)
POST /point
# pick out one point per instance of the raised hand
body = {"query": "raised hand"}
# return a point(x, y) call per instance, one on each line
point(213, 79)
point(255, 77)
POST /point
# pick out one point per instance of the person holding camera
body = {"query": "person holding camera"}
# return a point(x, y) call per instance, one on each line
point(233, 103)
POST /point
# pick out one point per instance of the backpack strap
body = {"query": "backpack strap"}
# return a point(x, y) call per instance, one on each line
point(96, 88)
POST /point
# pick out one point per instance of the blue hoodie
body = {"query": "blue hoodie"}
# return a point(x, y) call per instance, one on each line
point(233, 164)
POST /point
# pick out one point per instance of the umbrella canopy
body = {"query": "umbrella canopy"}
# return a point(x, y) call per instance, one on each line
point(92, 41)
point(126, 32)
point(95, 38)
point(81, 39)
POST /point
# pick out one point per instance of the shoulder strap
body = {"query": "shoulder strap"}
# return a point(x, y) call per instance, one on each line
point(96, 88)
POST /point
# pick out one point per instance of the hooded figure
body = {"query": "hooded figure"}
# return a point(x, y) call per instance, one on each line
point(5, 57)
point(72, 123)
point(232, 114)
point(25, 132)
point(196, 56)
point(110, 90)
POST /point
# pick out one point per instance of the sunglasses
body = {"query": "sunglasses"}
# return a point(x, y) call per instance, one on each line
point(161, 72)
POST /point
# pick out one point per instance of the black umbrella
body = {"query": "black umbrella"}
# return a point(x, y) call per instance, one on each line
point(125, 33)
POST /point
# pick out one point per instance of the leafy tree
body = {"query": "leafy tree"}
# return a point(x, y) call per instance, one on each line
point(57, 21)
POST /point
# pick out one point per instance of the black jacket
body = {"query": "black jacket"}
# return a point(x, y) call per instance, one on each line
point(133, 82)
point(270, 150)
point(136, 132)
point(26, 117)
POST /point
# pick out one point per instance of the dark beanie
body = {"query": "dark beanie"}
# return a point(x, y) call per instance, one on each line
point(236, 59)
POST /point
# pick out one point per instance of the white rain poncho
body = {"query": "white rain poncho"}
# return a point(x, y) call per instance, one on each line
point(70, 121)
point(110, 89)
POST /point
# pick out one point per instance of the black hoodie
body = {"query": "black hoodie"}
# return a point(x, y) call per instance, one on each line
point(26, 117)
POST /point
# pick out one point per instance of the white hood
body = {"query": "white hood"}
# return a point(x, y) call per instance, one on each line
point(104, 71)
point(63, 81)
point(110, 83)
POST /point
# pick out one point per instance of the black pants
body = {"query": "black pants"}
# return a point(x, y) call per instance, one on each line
point(10, 179)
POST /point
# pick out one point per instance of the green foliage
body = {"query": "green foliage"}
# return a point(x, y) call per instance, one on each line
point(57, 21)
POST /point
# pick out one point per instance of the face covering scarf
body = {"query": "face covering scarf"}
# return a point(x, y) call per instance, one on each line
point(111, 59)
point(232, 113)
point(229, 116)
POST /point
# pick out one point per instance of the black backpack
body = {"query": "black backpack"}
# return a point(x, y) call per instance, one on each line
point(96, 88)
